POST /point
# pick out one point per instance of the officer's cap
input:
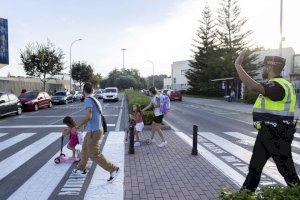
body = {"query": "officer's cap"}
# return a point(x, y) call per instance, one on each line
point(274, 61)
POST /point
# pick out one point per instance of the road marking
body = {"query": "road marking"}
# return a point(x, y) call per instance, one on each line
point(14, 140)
point(58, 116)
point(44, 181)
point(228, 171)
point(99, 188)
point(120, 115)
point(2, 134)
point(243, 154)
point(296, 157)
point(42, 126)
point(16, 160)
point(294, 143)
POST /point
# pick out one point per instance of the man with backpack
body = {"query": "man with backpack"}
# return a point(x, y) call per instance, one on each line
point(90, 146)
point(160, 109)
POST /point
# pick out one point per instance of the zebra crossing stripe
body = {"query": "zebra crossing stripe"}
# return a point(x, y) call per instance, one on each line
point(44, 181)
point(240, 136)
point(243, 154)
point(99, 188)
point(16, 160)
point(228, 171)
point(2, 134)
point(14, 140)
point(294, 143)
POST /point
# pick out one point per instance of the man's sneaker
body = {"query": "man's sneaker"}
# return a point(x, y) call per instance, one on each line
point(163, 144)
point(137, 144)
point(150, 141)
point(79, 172)
point(114, 175)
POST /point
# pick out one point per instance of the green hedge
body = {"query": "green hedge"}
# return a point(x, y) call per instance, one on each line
point(273, 192)
point(134, 97)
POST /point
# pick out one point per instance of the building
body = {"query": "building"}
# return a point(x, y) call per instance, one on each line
point(178, 81)
point(4, 56)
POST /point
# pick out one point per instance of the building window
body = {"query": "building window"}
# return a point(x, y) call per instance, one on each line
point(174, 81)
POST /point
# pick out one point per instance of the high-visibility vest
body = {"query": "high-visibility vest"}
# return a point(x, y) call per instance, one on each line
point(265, 109)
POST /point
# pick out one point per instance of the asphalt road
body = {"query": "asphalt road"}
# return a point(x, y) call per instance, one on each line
point(28, 144)
point(227, 135)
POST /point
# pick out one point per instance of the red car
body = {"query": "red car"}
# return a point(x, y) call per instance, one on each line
point(35, 100)
point(175, 95)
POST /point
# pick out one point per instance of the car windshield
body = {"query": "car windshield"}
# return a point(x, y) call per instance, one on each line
point(60, 94)
point(29, 95)
point(110, 90)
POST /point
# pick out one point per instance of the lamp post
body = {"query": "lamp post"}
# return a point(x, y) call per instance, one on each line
point(152, 71)
point(123, 57)
point(281, 37)
point(71, 62)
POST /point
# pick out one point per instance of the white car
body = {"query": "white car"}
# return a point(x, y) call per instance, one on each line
point(110, 94)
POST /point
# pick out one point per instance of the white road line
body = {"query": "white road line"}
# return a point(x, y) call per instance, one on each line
point(16, 160)
point(243, 154)
point(120, 115)
point(99, 188)
point(42, 126)
point(296, 157)
point(228, 171)
point(45, 180)
point(14, 140)
point(2, 134)
point(294, 143)
point(58, 116)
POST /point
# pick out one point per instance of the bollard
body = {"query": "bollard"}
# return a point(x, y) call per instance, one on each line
point(131, 139)
point(195, 140)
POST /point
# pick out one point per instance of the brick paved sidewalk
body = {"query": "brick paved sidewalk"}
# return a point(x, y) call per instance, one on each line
point(170, 172)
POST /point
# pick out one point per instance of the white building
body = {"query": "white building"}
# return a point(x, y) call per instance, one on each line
point(178, 81)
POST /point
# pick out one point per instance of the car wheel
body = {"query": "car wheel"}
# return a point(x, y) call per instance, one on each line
point(19, 111)
point(50, 105)
point(36, 107)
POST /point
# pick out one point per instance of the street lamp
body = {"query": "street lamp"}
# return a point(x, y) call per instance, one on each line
point(71, 62)
point(152, 71)
point(281, 37)
point(123, 57)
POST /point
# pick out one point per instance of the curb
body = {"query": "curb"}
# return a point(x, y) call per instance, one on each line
point(163, 127)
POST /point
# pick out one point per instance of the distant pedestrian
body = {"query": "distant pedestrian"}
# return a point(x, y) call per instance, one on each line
point(273, 116)
point(139, 123)
point(158, 116)
point(90, 146)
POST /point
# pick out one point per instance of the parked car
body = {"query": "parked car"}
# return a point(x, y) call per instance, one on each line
point(76, 95)
point(110, 94)
point(62, 98)
point(175, 95)
point(99, 94)
point(9, 104)
point(35, 100)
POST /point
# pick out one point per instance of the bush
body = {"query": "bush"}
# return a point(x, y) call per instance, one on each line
point(134, 97)
point(267, 192)
point(250, 97)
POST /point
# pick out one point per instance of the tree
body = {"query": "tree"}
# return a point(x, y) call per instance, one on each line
point(96, 79)
point(82, 72)
point(158, 81)
point(42, 61)
point(232, 39)
point(205, 64)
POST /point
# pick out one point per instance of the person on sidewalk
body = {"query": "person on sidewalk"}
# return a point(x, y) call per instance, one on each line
point(158, 116)
point(139, 123)
point(273, 116)
point(90, 146)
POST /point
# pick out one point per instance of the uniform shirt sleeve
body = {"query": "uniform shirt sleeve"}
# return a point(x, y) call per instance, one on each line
point(274, 91)
point(87, 103)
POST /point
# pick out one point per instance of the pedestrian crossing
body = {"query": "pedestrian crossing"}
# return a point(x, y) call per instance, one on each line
point(43, 183)
point(230, 152)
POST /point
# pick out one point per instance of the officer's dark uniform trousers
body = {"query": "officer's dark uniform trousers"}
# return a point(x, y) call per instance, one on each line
point(272, 141)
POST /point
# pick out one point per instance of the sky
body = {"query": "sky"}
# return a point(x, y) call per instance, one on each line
point(158, 30)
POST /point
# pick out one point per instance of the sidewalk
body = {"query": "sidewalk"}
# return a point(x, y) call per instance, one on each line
point(171, 172)
point(230, 106)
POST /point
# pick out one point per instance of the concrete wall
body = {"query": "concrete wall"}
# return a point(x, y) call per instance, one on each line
point(15, 85)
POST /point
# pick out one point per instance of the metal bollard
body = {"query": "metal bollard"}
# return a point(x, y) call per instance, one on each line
point(131, 140)
point(195, 140)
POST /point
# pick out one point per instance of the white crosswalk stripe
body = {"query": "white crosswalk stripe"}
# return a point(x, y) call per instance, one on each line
point(14, 140)
point(2, 134)
point(16, 160)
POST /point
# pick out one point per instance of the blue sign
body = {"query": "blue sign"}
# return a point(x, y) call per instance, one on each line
point(4, 58)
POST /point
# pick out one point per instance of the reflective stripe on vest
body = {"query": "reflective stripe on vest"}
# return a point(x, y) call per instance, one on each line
point(285, 107)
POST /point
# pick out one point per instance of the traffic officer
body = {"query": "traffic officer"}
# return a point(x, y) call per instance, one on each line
point(273, 116)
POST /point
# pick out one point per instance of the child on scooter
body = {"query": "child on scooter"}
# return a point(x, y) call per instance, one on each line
point(139, 123)
point(73, 135)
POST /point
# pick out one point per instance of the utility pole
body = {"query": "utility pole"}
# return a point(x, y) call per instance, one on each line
point(281, 37)
point(71, 62)
point(123, 57)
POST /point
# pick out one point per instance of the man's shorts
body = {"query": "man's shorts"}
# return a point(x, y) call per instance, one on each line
point(158, 119)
